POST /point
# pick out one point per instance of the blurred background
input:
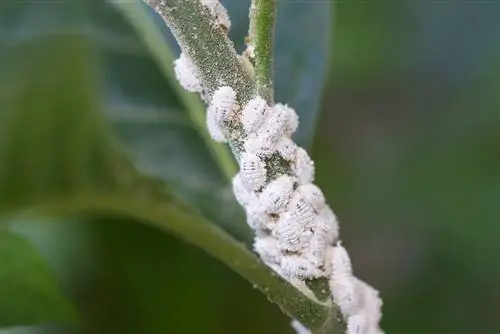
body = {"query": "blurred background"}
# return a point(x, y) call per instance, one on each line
point(408, 154)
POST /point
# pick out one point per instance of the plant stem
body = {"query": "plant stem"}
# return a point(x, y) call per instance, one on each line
point(261, 34)
point(207, 45)
point(219, 65)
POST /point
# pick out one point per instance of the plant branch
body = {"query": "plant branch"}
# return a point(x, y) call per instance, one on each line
point(172, 217)
point(219, 65)
point(261, 38)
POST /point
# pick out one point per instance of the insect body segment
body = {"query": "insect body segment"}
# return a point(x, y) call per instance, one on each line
point(254, 114)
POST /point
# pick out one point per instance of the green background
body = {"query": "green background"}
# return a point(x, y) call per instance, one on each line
point(408, 154)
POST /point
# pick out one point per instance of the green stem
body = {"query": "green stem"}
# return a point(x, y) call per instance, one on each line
point(262, 18)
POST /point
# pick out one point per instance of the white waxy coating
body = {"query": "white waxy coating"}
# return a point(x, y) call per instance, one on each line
point(327, 222)
point(274, 126)
point(357, 324)
point(218, 12)
point(341, 262)
point(253, 171)
point(267, 248)
point(257, 219)
point(316, 252)
point(224, 104)
point(287, 148)
point(254, 114)
point(303, 167)
point(187, 74)
point(291, 235)
point(244, 196)
point(276, 195)
point(294, 266)
point(313, 195)
point(259, 146)
point(214, 129)
point(292, 119)
point(371, 302)
point(345, 294)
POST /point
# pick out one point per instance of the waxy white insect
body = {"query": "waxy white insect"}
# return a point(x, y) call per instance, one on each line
point(371, 302)
point(328, 224)
point(274, 126)
point(357, 324)
point(292, 119)
point(258, 220)
point(295, 266)
point(187, 74)
point(261, 147)
point(313, 195)
point(267, 248)
point(316, 252)
point(253, 171)
point(244, 196)
point(291, 235)
point(254, 114)
point(345, 294)
point(276, 195)
point(303, 167)
point(287, 148)
point(214, 128)
point(341, 262)
point(224, 104)
point(218, 12)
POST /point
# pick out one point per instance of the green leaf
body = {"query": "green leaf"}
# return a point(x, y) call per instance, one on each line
point(302, 55)
point(61, 64)
point(30, 292)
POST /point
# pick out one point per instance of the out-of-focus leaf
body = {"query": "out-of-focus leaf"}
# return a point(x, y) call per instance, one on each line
point(30, 292)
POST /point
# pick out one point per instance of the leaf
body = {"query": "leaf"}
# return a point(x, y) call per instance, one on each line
point(30, 292)
point(59, 156)
point(302, 54)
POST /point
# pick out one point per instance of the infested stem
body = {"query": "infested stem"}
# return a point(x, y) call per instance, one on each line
point(218, 65)
point(261, 38)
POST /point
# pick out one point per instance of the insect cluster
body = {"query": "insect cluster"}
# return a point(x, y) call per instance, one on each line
point(296, 232)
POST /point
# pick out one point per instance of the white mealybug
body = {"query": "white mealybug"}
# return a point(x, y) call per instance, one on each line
point(372, 304)
point(224, 104)
point(276, 195)
point(291, 235)
point(341, 262)
point(345, 294)
point(303, 167)
point(313, 195)
point(286, 148)
point(292, 119)
point(187, 74)
point(253, 171)
point(357, 324)
point(293, 228)
point(259, 146)
point(274, 126)
point(257, 220)
point(267, 248)
point(316, 252)
point(219, 13)
point(299, 328)
point(254, 114)
point(213, 126)
point(294, 266)
point(327, 222)
point(244, 196)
